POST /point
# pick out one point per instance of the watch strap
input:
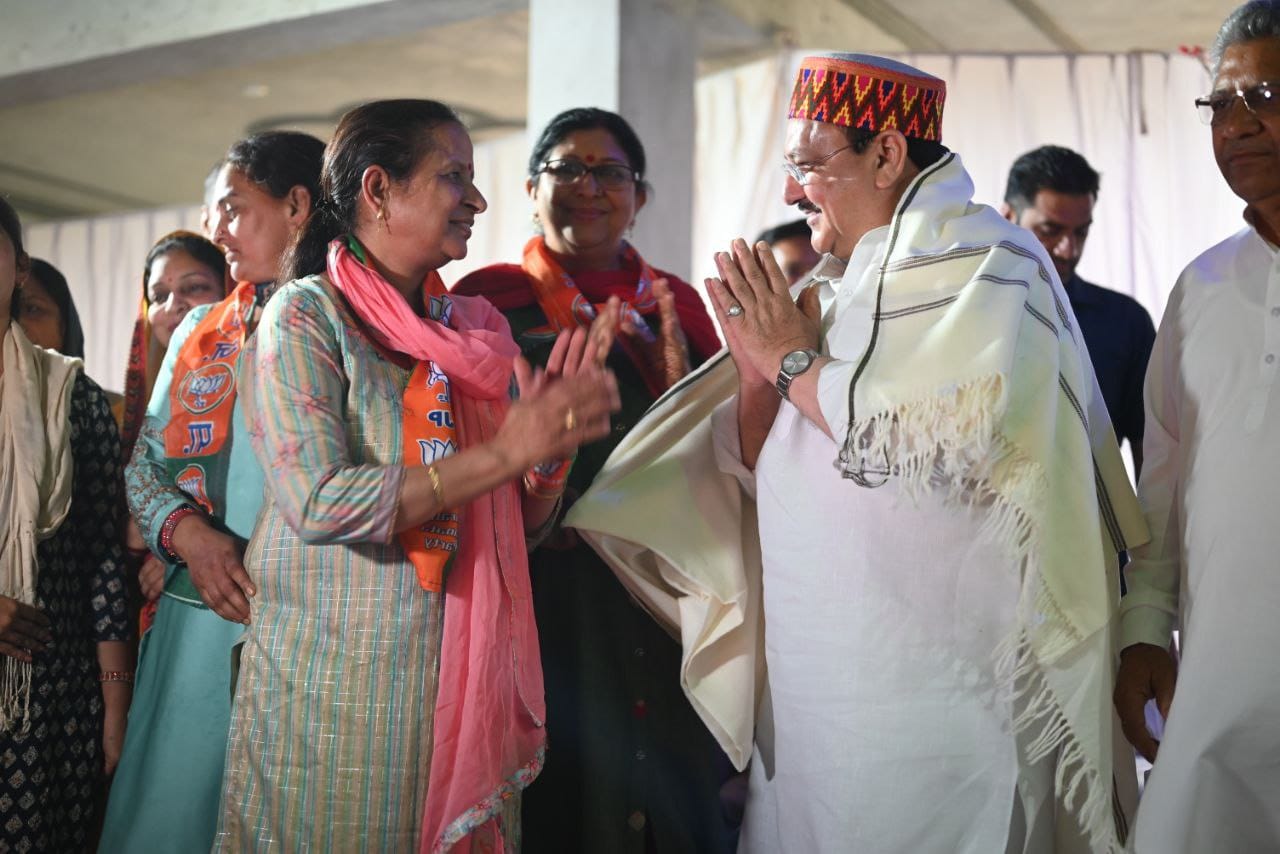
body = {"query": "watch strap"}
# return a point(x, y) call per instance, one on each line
point(784, 379)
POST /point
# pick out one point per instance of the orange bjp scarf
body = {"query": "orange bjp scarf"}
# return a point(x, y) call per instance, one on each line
point(489, 731)
point(429, 435)
point(145, 356)
point(202, 397)
point(565, 306)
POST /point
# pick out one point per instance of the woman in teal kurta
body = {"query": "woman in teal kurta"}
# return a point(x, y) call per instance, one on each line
point(161, 798)
point(165, 794)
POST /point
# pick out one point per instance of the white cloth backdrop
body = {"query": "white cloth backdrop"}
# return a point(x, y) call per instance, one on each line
point(102, 257)
point(1162, 198)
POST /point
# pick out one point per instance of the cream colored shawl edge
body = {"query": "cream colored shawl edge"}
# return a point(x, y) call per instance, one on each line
point(35, 493)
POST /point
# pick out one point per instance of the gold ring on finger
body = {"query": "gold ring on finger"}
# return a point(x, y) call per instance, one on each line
point(570, 422)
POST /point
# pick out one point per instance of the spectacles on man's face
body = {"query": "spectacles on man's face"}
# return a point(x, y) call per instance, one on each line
point(1262, 100)
point(609, 176)
point(803, 173)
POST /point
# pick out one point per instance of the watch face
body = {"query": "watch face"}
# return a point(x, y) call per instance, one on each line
point(796, 362)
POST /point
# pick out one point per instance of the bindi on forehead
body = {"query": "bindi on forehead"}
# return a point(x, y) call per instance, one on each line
point(465, 166)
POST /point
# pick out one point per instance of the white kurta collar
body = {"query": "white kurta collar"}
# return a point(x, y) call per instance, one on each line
point(842, 277)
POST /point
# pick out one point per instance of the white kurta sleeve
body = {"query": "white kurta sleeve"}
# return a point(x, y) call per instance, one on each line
point(1149, 611)
point(727, 443)
point(833, 395)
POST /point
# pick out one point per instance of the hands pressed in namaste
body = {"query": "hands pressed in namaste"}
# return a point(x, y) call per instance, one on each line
point(760, 319)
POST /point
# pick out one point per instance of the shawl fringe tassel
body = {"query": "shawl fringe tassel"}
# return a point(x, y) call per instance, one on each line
point(949, 439)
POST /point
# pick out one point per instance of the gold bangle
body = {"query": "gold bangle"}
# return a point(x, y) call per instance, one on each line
point(436, 489)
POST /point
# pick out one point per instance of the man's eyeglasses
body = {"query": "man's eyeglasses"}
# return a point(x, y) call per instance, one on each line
point(802, 173)
point(1261, 100)
point(609, 176)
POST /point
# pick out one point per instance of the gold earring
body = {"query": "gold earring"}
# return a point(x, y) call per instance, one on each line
point(382, 217)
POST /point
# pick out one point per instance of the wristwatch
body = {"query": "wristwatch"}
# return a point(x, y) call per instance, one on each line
point(794, 364)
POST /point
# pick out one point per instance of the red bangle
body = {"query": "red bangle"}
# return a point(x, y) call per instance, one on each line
point(116, 676)
point(170, 524)
point(547, 480)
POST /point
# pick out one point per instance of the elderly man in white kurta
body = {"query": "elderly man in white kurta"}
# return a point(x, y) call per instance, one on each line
point(1210, 487)
point(939, 500)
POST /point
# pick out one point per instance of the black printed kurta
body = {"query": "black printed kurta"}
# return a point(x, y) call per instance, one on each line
point(51, 773)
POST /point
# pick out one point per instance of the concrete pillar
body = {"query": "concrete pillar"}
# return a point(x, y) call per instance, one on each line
point(637, 58)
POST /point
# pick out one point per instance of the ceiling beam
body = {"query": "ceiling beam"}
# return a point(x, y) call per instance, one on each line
point(29, 208)
point(36, 210)
point(886, 16)
point(1042, 21)
point(101, 65)
point(79, 188)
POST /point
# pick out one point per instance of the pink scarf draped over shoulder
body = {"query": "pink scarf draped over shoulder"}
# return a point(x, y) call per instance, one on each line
point(490, 738)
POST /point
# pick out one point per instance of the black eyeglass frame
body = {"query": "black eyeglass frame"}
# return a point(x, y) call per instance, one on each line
point(1264, 94)
point(593, 170)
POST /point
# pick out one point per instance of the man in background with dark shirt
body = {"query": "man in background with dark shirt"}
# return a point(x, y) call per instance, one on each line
point(791, 245)
point(1051, 193)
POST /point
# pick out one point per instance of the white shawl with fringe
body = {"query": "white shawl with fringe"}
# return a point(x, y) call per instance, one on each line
point(976, 379)
point(35, 489)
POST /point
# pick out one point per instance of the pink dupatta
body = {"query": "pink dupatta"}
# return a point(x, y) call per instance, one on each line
point(489, 738)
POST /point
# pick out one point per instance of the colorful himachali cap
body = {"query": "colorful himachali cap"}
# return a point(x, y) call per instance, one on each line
point(862, 91)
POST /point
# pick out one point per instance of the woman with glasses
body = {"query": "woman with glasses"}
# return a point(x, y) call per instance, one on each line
point(630, 766)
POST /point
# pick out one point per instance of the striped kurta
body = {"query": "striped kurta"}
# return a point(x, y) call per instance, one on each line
point(331, 733)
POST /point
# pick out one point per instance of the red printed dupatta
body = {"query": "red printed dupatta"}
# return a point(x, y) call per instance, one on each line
point(202, 396)
point(566, 306)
